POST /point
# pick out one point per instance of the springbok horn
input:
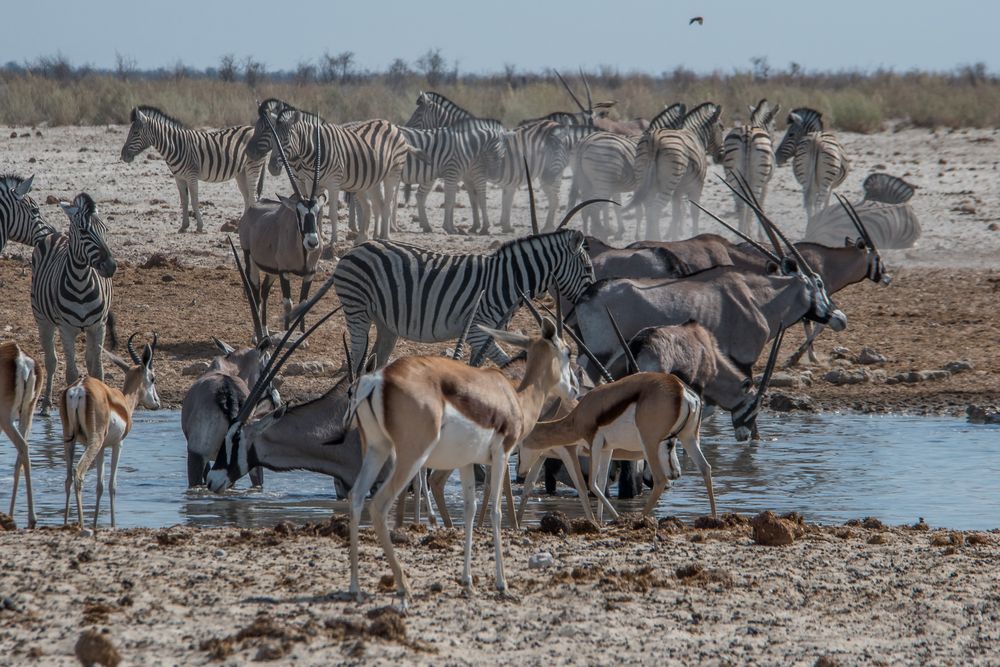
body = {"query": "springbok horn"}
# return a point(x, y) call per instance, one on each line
point(281, 154)
point(769, 368)
point(531, 306)
point(631, 365)
point(350, 361)
point(258, 328)
point(152, 346)
point(573, 211)
point(770, 255)
point(570, 91)
point(457, 353)
point(318, 148)
point(856, 219)
point(590, 100)
point(131, 349)
point(746, 195)
point(531, 198)
point(602, 369)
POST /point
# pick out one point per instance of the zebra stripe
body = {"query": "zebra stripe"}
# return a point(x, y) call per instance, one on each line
point(435, 110)
point(20, 218)
point(747, 152)
point(819, 163)
point(213, 156)
point(71, 289)
point(890, 225)
point(427, 296)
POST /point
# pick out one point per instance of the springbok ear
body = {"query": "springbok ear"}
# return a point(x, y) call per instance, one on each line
point(224, 347)
point(116, 360)
point(509, 337)
point(69, 209)
point(147, 356)
point(789, 266)
point(23, 188)
point(549, 330)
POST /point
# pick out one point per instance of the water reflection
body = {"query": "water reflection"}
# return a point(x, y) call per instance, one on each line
point(829, 467)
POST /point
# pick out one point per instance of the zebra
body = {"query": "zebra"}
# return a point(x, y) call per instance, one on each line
point(819, 161)
point(604, 166)
point(747, 151)
point(888, 218)
point(435, 110)
point(543, 149)
point(423, 295)
point(71, 290)
point(20, 218)
point(213, 156)
point(672, 165)
point(453, 153)
point(360, 158)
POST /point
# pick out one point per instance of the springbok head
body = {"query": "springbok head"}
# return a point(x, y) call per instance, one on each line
point(139, 374)
point(87, 235)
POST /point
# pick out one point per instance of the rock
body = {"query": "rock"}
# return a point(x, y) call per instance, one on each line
point(826, 661)
point(195, 368)
point(555, 523)
point(32, 160)
point(920, 376)
point(993, 227)
point(771, 531)
point(52, 199)
point(841, 376)
point(840, 352)
point(219, 553)
point(782, 402)
point(7, 522)
point(94, 647)
point(958, 366)
point(167, 278)
point(921, 525)
point(13, 135)
point(870, 356)
point(10, 604)
point(977, 415)
point(783, 379)
point(269, 651)
point(541, 561)
point(230, 225)
point(321, 368)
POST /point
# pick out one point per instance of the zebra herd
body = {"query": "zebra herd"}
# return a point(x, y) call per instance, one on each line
point(702, 310)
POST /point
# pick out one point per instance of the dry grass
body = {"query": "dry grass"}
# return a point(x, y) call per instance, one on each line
point(849, 101)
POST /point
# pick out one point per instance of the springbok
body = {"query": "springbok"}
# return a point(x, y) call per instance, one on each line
point(439, 413)
point(282, 237)
point(100, 416)
point(20, 387)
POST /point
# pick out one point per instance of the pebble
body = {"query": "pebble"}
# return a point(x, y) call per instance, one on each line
point(219, 553)
point(86, 532)
point(541, 561)
point(870, 356)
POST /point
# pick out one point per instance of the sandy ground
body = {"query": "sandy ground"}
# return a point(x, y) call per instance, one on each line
point(855, 595)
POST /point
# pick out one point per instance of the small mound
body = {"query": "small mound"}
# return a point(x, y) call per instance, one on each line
point(7, 522)
point(695, 573)
point(555, 523)
point(770, 530)
point(94, 647)
point(159, 260)
point(387, 623)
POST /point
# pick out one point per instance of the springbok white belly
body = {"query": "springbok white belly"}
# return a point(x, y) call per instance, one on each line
point(116, 429)
point(622, 433)
point(461, 442)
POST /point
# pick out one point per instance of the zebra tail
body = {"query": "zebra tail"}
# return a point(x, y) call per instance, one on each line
point(420, 155)
point(574, 191)
point(646, 187)
point(260, 181)
point(112, 330)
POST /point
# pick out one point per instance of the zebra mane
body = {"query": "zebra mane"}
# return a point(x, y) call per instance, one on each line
point(812, 120)
point(520, 241)
point(157, 114)
point(697, 117)
point(439, 99)
point(472, 120)
point(86, 204)
point(11, 180)
point(671, 117)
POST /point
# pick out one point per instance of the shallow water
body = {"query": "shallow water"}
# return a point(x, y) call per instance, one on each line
point(828, 467)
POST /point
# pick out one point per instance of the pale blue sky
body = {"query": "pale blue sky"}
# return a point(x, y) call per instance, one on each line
point(650, 36)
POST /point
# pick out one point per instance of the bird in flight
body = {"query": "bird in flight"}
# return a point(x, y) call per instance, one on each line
point(700, 20)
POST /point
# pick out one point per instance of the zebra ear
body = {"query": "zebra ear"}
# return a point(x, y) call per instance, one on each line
point(23, 188)
point(138, 115)
point(795, 118)
point(69, 209)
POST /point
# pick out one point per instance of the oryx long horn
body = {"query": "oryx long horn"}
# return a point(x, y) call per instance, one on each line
point(318, 148)
point(131, 349)
point(349, 360)
point(281, 154)
point(258, 327)
point(573, 211)
point(531, 306)
point(762, 249)
point(570, 91)
point(460, 343)
point(856, 219)
point(590, 99)
point(631, 365)
point(746, 194)
point(769, 368)
point(602, 369)
point(531, 197)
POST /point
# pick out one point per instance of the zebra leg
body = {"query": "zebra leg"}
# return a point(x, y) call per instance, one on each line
point(676, 217)
point(620, 217)
point(47, 334)
point(95, 338)
point(286, 299)
point(450, 189)
point(358, 324)
point(694, 198)
point(480, 188)
point(474, 206)
point(552, 197)
point(364, 217)
point(506, 201)
point(422, 191)
point(241, 183)
point(68, 336)
point(193, 189)
point(303, 295)
point(390, 189)
point(182, 188)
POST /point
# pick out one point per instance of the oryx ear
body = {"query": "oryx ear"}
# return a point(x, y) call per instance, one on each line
point(509, 337)
point(288, 202)
point(116, 360)
point(371, 363)
point(861, 245)
point(789, 266)
point(848, 242)
point(23, 188)
point(771, 267)
point(224, 347)
point(279, 411)
point(746, 385)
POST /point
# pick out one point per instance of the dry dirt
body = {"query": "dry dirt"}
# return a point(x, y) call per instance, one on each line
point(855, 595)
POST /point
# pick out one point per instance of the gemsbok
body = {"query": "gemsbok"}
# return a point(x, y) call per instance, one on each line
point(439, 413)
point(20, 387)
point(100, 417)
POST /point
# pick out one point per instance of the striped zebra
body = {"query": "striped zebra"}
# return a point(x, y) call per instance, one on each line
point(819, 161)
point(546, 150)
point(747, 151)
point(454, 153)
point(427, 296)
point(672, 166)
point(20, 218)
point(885, 212)
point(212, 156)
point(71, 291)
point(604, 167)
point(365, 158)
point(435, 110)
